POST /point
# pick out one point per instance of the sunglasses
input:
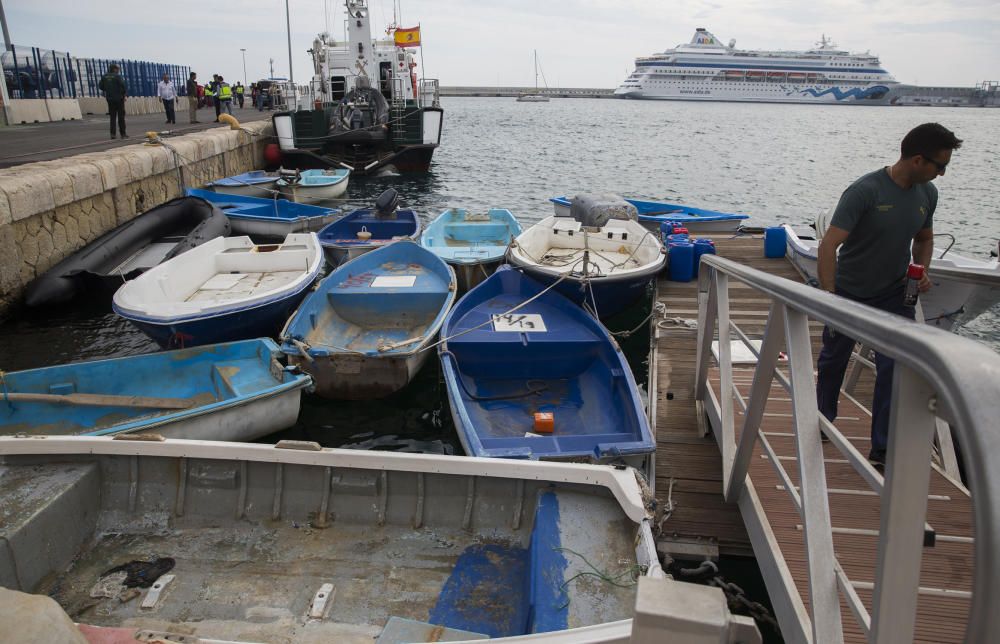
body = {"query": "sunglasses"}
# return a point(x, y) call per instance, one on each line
point(937, 164)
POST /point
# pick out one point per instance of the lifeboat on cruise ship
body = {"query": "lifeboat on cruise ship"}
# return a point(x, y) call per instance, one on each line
point(756, 75)
point(733, 73)
point(775, 75)
point(797, 78)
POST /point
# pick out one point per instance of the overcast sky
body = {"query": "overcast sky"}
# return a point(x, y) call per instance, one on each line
point(580, 43)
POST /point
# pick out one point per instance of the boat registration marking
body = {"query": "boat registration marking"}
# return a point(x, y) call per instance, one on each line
point(519, 323)
point(394, 281)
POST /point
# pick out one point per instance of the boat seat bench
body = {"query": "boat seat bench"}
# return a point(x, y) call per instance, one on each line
point(50, 512)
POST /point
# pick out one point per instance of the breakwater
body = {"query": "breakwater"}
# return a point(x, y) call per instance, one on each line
point(50, 209)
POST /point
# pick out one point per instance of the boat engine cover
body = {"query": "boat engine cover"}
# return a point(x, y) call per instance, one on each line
point(595, 210)
point(387, 203)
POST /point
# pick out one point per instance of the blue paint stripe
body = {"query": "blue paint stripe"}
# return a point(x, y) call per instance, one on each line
point(549, 602)
point(724, 66)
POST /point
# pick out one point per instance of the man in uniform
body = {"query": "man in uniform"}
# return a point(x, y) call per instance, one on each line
point(224, 96)
point(115, 92)
point(239, 93)
point(882, 220)
point(192, 93)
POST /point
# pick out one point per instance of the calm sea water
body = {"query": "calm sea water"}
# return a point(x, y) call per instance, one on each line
point(778, 163)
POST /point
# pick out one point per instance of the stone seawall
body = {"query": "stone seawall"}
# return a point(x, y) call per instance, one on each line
point(51, 209)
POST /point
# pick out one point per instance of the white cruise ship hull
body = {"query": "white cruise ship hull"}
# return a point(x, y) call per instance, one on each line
point(761, 93)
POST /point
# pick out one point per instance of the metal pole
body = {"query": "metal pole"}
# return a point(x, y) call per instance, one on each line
point(291, 75)
point(7, 42)
point(244, 50)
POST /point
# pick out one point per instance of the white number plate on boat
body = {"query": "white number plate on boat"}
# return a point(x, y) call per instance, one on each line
point(394, 281)
point(519, 323)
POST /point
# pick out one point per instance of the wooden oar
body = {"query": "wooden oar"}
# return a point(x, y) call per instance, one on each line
point(101, 400)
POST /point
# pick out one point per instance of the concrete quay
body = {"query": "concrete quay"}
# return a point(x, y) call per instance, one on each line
point(50, 209)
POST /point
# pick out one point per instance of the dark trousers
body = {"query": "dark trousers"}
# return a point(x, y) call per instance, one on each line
point(169, 107)
point(832, 365)
point(218, 107)
point(239, 97)
point(116, 111)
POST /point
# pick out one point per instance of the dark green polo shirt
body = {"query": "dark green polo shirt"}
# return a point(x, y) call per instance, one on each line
point(882, 220)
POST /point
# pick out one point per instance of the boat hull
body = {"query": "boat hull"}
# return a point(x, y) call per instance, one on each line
point(257, 322)
point(340, 239)
point(951, 302)
point(234, 392)
point(696, 220)
point(611, 294)
point(260, 190)
point(273, 228)
point(358, 377)
point(471, 275)
point(267, 216)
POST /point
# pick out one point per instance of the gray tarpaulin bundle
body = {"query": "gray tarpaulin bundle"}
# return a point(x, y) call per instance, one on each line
point(595, 210)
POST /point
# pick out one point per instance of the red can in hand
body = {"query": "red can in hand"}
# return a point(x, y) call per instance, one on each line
point(914, 273)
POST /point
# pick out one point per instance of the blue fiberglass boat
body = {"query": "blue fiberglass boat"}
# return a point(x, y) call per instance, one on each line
point(234, 392)
point(654, 213)
point(548, 356)
point(267, 217)
point(363, 332)
point(473, 244)
point(256, 183)
point(366, 229)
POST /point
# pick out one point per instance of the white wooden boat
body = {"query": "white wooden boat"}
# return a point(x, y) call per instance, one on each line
point(293, 542)
point(605, 267)
point(963, 287)
point(231, 289)
point(310, 186)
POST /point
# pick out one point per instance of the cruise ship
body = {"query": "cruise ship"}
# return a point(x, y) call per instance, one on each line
point(707, 70)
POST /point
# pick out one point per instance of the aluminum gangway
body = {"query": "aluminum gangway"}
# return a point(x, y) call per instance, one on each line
point(926, 545)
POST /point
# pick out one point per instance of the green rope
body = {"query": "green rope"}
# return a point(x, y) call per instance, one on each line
point(633, 571)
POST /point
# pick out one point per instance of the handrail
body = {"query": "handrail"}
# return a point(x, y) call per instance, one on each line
point(938, 374)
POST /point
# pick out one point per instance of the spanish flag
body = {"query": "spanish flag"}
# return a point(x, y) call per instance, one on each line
point(407, 37)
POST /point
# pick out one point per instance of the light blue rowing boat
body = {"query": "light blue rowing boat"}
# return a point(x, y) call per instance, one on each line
point(256, 183)
point(363, 332)
point(473, 244)
point(654, 213)
point(231, 392)
point(310, 186)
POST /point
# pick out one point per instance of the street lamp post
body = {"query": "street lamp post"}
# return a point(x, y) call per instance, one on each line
point(8, 43)
point(291, 76)
point(244, 50)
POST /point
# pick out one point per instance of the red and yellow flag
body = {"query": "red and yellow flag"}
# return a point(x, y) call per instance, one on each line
point(407, 37)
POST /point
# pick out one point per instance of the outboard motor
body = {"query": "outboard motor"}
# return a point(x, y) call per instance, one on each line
point(386, 204)
point(594, 211)
point(290, 177)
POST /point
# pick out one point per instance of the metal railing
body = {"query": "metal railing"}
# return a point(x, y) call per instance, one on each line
point(937, 375)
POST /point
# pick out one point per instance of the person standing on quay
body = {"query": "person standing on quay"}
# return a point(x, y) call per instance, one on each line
point(192, 92)
point(239, 93)
point(213, 91)
point(880, 220)
point(115, 92)
point(224, 95)
point(168, 94)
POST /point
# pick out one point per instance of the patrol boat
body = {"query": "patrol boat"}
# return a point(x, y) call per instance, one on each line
point(370, 113)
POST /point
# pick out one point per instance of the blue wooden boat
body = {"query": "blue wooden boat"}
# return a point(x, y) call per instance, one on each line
point(654, 213)
point(473, 244)
point(310, 186)
point(233, 392)
point(228, 289)
point(267, 217)
point(363, 332)
point(514, 349)
point(256, 183)
point(366, 229)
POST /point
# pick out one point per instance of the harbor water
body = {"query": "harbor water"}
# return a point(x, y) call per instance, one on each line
point(777, 163)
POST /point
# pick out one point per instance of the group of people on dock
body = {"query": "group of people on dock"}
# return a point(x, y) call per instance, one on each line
point(217, 92)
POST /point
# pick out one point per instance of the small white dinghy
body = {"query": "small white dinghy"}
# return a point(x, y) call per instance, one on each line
point(231, 289)
point(310, 186)
point(963, 287)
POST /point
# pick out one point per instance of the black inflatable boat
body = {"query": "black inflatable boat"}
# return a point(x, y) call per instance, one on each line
point(134, 247)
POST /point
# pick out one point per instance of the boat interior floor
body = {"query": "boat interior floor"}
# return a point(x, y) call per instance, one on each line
point(238, 286)
point(601, 262)
point(147, 257)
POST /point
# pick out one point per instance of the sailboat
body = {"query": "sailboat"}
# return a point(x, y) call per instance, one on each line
point(533, 97)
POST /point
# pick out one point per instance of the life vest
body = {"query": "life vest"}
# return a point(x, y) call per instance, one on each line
point(239, 89)
point(225, 92)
